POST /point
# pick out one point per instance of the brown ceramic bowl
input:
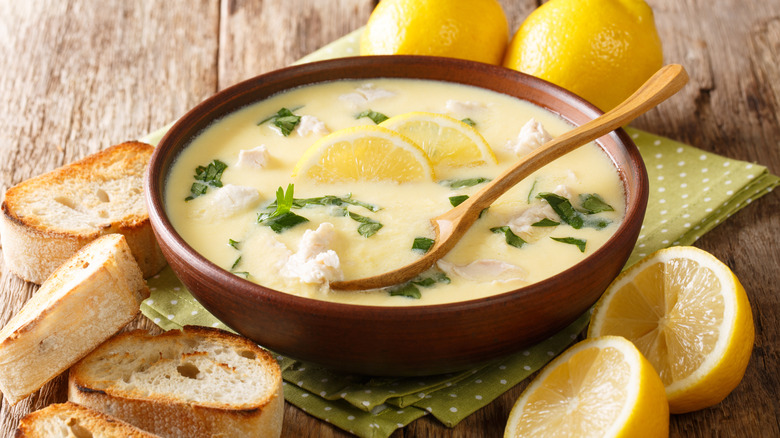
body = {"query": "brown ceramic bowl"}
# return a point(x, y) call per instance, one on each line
point(415, 340)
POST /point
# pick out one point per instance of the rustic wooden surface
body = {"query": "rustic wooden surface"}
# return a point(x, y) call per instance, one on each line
point(80, 75)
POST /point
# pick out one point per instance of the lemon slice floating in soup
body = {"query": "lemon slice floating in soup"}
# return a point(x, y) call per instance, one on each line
point(447, 141)
point(364, 153)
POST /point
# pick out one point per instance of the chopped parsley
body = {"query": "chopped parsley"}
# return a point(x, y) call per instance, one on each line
point(376, 117)
point(579, 243)
point(282, 218)
point(531, 192)
point(209, 175)
point(545, 223)
point(332, 200)
point(592, 203)
point(469, 122)
point(238, 260)
point(460, 183)
point(563, 207)
point(511, 238)
point(423, 244)
point(234, 243)
point(458, 199)
point(368, 227)
point(410, 289)
point(284, 119)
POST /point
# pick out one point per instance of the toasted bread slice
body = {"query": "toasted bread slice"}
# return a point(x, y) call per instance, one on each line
point(69, 420)
point(84, 302)
point(46, 219)
point(190, 383)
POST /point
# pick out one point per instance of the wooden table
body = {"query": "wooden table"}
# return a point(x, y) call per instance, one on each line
point(80, 75)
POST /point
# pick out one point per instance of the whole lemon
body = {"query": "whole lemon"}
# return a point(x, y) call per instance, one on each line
point(472, 29)
point(602, 50)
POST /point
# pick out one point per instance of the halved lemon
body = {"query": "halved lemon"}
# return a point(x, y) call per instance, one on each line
point(447, 141)
point(600, 387)
point(689, 315)
point(364, 153)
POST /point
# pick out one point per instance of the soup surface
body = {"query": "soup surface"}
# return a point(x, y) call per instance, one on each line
point(226, 181)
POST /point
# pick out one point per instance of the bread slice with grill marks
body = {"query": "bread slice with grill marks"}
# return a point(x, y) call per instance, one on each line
point(46, 219)
point(197, 382)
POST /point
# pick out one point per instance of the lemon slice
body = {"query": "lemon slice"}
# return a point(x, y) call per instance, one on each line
point(447, 141)
point(364, 153)
point(689, 315)
point(600, 387)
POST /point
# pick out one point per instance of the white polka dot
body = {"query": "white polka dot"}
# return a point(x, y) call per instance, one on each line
point(659, 155)
point(526, 353)
point(683, 185)
point(686, 216)
point(429, 409)
point(502, 381)
point(660, 178)
point(152, 288)
point(323, 393)
point(664, 221)
point(659, 166)
point(176, 288)
point(365, 403)
point(349, 50)
point(727, 182)
point(702, 157)
point(641, 245)
point(171, 316)
point(641, 254)
point(454, 395)
point(679, 150)
point(421, 395)
point(194, 312)
point(215, 324)
point(730, 192)
point(684, 196)
point(478, 397)
point(351, 417)
point(174, 302)
point(657, 142)
point(156, 276)
point(453, 409)
point(150, 301)
point(635, 136)
point(502, 367)
point(727, 164)
point(368, 391)
point(400, 411)
point(664, 211)
point(662, 201)
point(706, 189)
point(300, 383)
point(709, 210)
point(704, 170)
point(681, 163)
point(526, 367)
point(343, 394)
point(664, 230)
point(665, 242)
point(156, 320)
point(707, 199)
point(683, 174)
point(749, 166)
point(400, 425)
point(751, 176)
point(687, 225)
point(551, 353)
point(305, 394)
point(478, 381)
point(661, 189)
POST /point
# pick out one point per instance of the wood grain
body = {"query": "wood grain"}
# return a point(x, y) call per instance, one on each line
point(79, 75)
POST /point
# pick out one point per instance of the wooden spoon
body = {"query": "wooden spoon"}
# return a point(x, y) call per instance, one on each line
point(450, 226)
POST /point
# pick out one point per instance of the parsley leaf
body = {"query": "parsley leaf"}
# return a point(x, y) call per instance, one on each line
point(563, 207)
point(333, 200)
point(469, 122)
point(282, 218)
point(579, 243)
point(460, 183)
point(511, 238)
point(457, 200)
point(238, 260)
point(410, 289)
point(593, 203)
point(531, 192)
point(209, 175)
point(284, 119)
point(545, 223)
point(376, 117)
point(422, 244)
point(368, 227)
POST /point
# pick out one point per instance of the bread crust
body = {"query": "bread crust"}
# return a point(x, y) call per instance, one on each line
point(170, 414)
point(84, 302)
point(35, 245)
point(66, 417)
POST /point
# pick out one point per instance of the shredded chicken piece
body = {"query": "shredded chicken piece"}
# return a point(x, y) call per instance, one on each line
point(364, 95)
point(231, 199)
point(314, 262)
point(531, 136)
point(257, 157)
point(485, 270)
point(311, 124)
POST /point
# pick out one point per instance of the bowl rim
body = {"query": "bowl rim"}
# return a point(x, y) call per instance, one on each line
point(162, 158)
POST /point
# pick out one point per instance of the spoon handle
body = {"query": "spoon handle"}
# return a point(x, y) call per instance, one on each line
point(663, 84)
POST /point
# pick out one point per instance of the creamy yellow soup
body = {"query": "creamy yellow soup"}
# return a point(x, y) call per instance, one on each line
point(222, 223)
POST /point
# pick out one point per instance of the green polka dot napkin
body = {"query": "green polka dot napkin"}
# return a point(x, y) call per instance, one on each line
point(691, 192)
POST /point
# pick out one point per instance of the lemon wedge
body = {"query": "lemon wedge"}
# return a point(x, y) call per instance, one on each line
point(689, 315)
point(447, 141)
point(600, 387)
point(364, 153)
